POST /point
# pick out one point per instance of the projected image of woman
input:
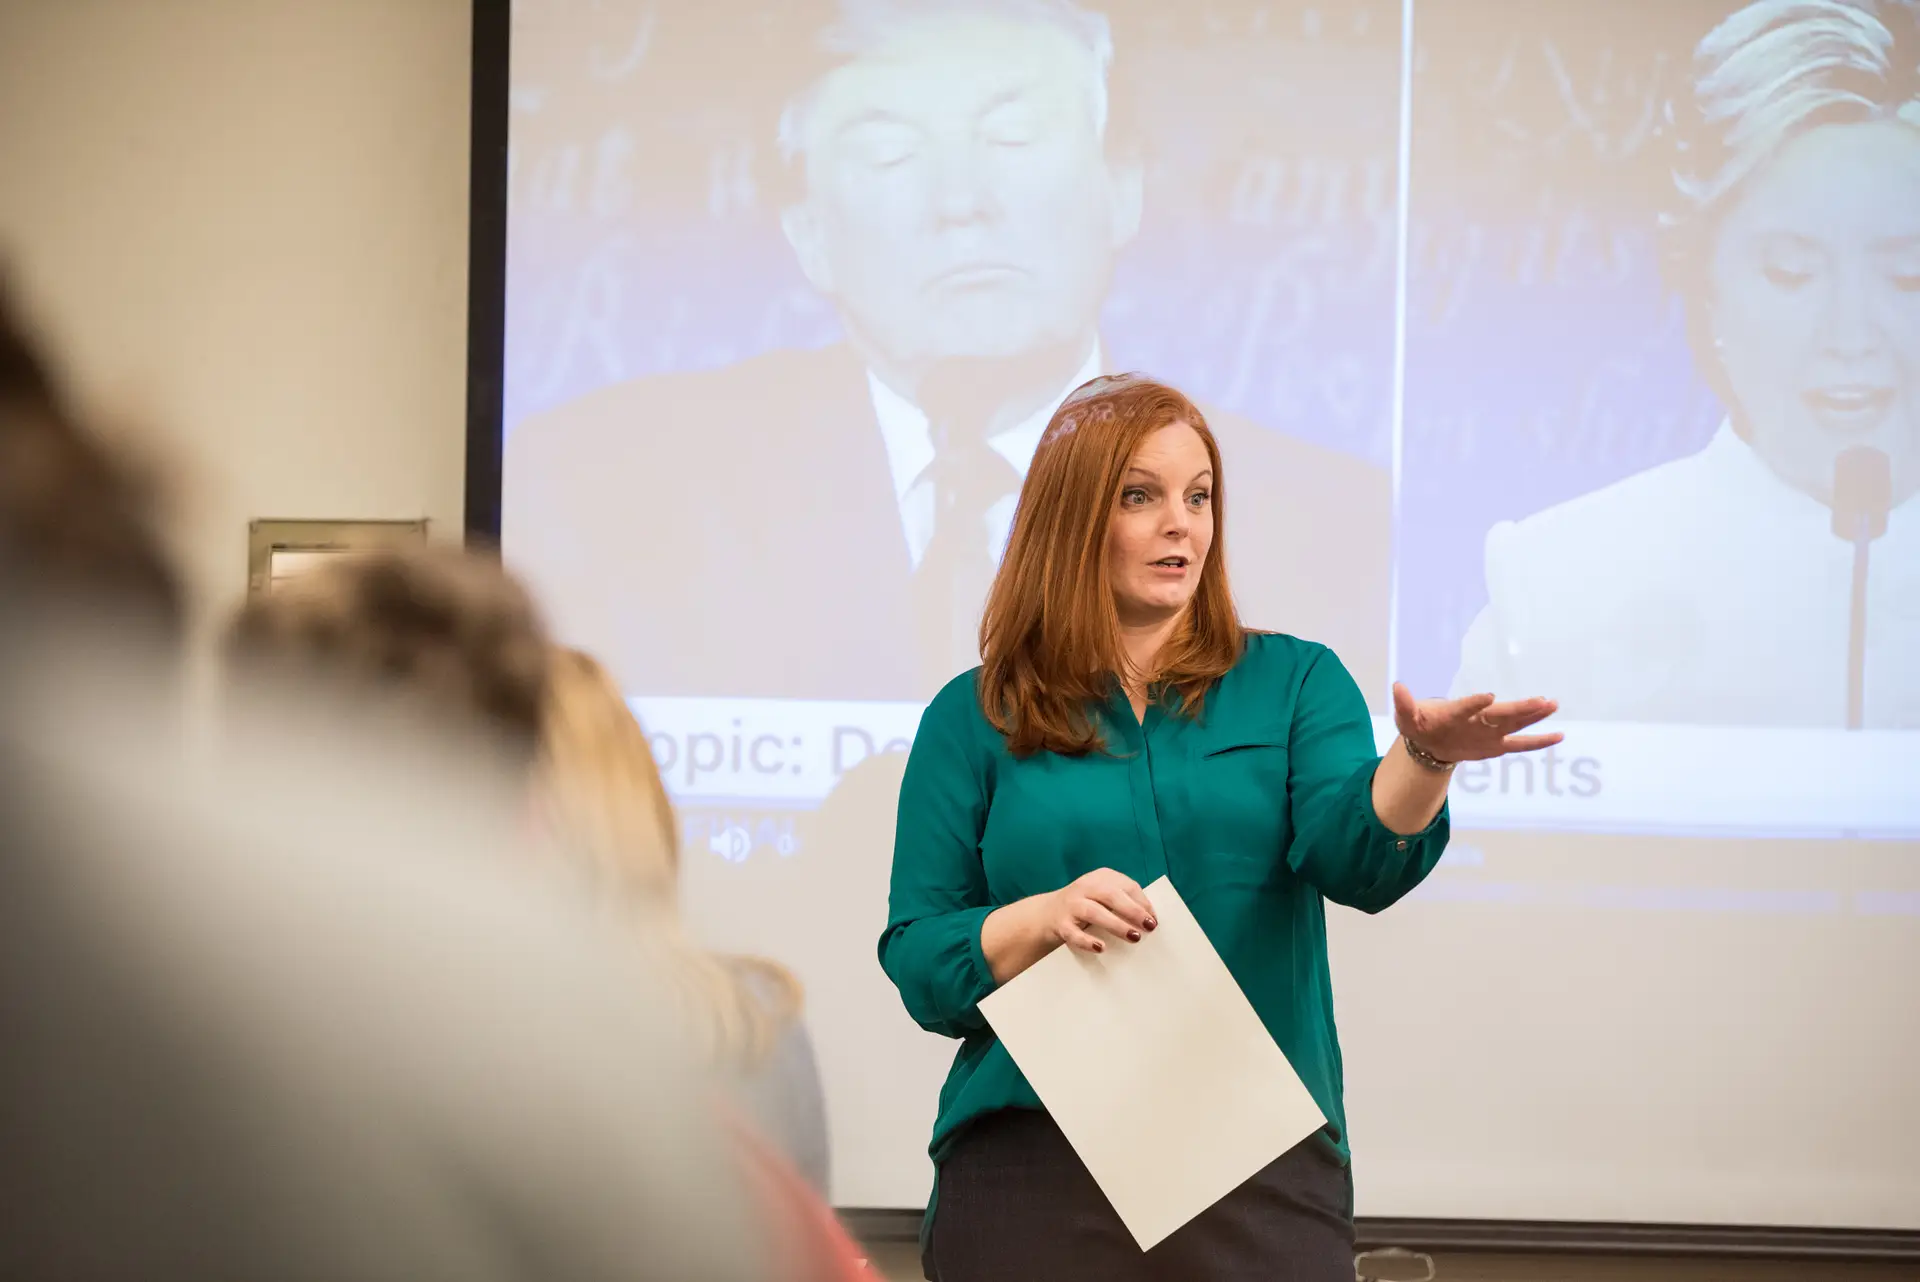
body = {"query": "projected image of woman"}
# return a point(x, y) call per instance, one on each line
point(1124, 726)
point(1718, 588)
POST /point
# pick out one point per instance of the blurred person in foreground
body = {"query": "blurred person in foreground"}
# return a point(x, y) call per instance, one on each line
point(959, 182)
point(285, 1015)
point(1126, 726)
point(445, 642)
point(600, 795)
point(1716, 589)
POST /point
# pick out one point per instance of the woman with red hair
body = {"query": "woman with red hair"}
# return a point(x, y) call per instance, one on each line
point(1123, 727)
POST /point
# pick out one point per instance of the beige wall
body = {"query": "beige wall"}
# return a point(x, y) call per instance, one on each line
point(243, 223)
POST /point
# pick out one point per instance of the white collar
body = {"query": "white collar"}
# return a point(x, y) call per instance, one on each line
point(909, 436)
point(1741, 465)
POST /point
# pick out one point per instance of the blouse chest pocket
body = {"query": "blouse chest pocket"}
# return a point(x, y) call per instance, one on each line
point(1237, 807)
point(1249, 753)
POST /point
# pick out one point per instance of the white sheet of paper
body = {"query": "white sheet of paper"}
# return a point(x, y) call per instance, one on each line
point(1156, 1067)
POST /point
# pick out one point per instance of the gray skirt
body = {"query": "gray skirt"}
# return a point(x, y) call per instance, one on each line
point(1015, 1202)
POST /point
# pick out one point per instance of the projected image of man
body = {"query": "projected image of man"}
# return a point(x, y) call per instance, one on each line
point(959, 204)
point(961, 211)
point(959, 189)
point(1718, 588)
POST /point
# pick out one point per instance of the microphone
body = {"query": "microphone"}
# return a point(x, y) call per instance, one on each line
point(1862, 496)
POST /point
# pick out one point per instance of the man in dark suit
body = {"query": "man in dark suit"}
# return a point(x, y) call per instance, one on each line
point(823, 524)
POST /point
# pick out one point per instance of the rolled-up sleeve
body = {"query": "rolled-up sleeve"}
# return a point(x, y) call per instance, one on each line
point(938, 898)
point(1339, 844)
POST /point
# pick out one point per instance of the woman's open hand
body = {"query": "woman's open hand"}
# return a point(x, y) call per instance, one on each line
point(1101, 900)
point(1472, 728)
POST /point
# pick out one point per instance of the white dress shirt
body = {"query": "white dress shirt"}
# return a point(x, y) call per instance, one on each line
point(909, 439)
point(1705, 590)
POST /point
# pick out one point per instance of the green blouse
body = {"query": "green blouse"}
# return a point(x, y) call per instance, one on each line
point(1257, 811)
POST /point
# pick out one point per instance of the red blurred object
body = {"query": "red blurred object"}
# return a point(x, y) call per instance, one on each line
point(810, 1243)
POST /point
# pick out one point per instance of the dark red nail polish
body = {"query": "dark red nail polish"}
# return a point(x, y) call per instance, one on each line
point(1152, 922)
point(1134, 936)
point(1099, 947)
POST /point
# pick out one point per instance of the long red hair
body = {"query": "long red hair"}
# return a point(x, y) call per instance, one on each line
point(1050, 634)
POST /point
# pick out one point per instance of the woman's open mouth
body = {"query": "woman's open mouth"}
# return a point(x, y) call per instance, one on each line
point(1848, 408)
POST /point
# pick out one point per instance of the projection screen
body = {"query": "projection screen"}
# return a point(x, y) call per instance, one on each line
point(1579, 341)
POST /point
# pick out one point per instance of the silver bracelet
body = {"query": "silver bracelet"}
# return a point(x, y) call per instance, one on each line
point(1423, 758)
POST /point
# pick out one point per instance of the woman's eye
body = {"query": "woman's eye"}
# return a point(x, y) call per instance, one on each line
point(1787, 277)
point(1789, 260)
point(1133, 497)
point(1199, 498)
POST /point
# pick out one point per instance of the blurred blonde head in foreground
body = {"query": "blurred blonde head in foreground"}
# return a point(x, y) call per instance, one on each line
point(600, 792)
